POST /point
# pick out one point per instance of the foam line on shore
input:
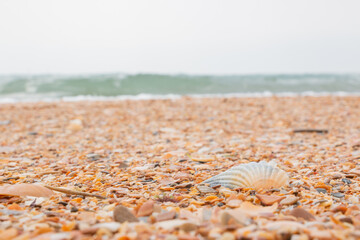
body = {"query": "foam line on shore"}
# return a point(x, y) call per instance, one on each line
point(37, 98)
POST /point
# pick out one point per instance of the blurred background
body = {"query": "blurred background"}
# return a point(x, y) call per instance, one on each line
point(89, 49)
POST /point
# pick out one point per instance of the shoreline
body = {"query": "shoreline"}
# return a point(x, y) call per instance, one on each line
point(92, 98)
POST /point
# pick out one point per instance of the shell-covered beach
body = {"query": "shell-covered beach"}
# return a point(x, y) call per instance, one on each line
point(134, 169)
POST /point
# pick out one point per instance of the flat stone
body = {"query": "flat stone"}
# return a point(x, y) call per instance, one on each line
point(166, 216)
point(234, 203)
point(205, 189)
point(93, 156)
point(269, 200)
point(146, 209)
point(338, 195)
point(345, 180)
point(336, 175)
point(123, 214)
point(289, 200)
point(321, 190)
point(302, 213)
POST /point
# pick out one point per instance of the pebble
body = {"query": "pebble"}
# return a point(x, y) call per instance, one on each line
point(302, 213)
point(205, 189)
point(234, 203)
point(321, 190)
point(166, 216)
point(336, 175)
point(146, 209)
point(338, 195)
point(289, 200)
point(123, 214)
point(347, 181)
point(74, 209)
point(93, 156)
point(269, 200)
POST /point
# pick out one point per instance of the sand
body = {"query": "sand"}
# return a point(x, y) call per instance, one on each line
point(147, 159)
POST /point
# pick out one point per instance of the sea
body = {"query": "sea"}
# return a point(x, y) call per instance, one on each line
point(119, 86)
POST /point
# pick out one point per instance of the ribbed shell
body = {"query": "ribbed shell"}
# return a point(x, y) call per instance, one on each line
point(260, 175)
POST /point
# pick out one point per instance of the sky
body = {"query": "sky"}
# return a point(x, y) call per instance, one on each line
point(184, 36)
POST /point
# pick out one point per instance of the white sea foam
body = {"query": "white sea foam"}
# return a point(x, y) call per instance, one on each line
point(41, 98)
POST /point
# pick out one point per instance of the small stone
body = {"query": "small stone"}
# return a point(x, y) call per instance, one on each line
point(146, 209)
point(302, 213)
point(184, 185)
point(340, 208)
point(188, 227)
point(338, 195)
point(347, 181)
point(336, 175)
point(123, 214)
point(234, 203)
point(123, 165)
point(205, 189)
point(32, 133)
point(93, 156)
point(63, 203)
point(289, 200)
point(321, 190)
point(346, 219)
point(74, 209)
point(166, 216)
point(269, 200)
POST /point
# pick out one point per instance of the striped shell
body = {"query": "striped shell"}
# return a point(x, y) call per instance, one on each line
point(260, 175)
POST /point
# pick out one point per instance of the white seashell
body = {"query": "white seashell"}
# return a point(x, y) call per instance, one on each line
point(260, 175)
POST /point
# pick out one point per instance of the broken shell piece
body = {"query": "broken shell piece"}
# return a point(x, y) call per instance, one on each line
point(261, 175)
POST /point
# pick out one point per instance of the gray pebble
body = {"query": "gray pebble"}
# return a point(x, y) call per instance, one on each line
point(321, 190)
point(93, 156)
point(338, 195)
point(347, 181)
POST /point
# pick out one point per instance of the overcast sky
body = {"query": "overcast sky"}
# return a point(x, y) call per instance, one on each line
point(184, 36)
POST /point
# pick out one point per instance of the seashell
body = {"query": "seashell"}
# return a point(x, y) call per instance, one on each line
point(260, 175)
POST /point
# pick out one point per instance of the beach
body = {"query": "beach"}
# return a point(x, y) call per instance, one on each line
point(151, 156)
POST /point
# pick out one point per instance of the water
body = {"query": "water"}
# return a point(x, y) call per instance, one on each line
point(139, 86)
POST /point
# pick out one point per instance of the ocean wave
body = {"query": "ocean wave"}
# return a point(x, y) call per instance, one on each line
point(151, 86)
